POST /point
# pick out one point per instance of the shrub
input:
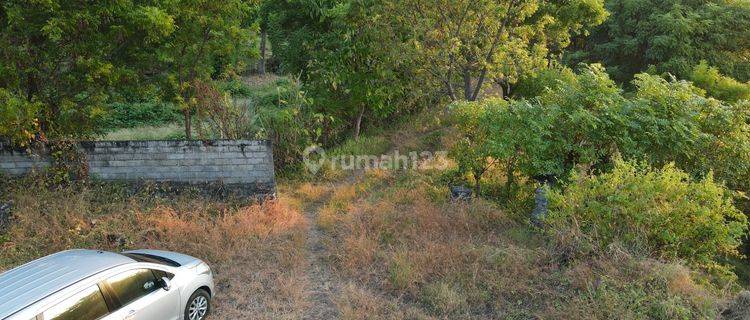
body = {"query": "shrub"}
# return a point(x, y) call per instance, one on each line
point(536, 84)
point(236, 88)
point(18, 122)
point(130, 115)
point(471, 150)
point(672, 121)
point(718, 85)
point(657, 212)
point(222, 115)
point(588, 121)
point(577, 123)
point(287, 119)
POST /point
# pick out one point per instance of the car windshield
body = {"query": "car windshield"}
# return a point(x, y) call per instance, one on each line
point(144, 257)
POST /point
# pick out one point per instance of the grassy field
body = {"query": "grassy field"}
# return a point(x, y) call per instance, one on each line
point(171, 131)
point(255, 249)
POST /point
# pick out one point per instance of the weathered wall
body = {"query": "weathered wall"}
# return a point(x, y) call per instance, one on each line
point(231, 162)
point(17, 162)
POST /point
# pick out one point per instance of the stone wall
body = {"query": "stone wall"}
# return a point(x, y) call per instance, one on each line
point(231, 162)
point(16, 162)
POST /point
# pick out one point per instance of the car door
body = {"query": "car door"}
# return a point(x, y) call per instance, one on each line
point(88, 304)
point(141, 296)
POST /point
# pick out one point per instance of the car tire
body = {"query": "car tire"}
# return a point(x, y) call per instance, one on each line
point(198, 306)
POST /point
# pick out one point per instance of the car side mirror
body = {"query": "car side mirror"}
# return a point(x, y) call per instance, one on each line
point(166, 284)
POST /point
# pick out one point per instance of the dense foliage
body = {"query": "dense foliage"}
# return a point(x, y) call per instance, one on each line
point(661, 213)
point(586, 120)
point(350, 58)
point(719, 86)
point(68, 60)
point(670, 37)
point(466, 45)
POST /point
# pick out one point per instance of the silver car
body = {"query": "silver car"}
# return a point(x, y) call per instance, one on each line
point(93, 285)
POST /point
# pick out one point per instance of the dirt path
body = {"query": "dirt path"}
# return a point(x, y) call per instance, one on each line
point(323, 284)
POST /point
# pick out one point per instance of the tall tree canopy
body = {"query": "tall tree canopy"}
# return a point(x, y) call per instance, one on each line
point(671, 36)
point(349, 53)
point(63, 61)
point(465, 44)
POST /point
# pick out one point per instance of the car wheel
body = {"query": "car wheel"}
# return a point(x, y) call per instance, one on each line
point(198, 305)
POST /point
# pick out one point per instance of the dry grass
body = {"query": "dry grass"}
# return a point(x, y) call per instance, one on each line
point(310, 192)
point(405, 253)
point(396, 247)
point(257, 251)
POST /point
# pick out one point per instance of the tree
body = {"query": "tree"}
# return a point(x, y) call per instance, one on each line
point(210, 38)
point(464, 44)
point(349, 53)
point(62, 57)
point(717, 85)
point(70, 59)
point(471, 151)
point(670, 37)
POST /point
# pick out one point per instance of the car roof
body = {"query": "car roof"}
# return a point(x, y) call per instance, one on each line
point(36, 280)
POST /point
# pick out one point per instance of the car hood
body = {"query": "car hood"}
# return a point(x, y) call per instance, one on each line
point(183, 259)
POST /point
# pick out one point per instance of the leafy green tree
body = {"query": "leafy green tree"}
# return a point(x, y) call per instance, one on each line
point(471, 151)
point(210, 39)
point(70, 59)
point(466, 44)
point(60, 57)
point(670, 37)
point(348, 53)
point(717, 85)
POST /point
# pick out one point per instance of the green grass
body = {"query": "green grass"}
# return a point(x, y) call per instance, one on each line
point(364, 146)
point(173, 131)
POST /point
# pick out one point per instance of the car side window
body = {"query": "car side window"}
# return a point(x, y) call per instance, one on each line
point(88, 304)
point(132, 285)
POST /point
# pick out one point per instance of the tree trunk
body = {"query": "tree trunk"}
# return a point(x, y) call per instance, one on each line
point(506, 92)
point(477, 184)
point(468, 94)
point(358, 123)
point(262, 62)
point(188, 125)
point(510, 178)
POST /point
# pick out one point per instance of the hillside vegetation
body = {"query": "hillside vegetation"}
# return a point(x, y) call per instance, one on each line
point(600, 150)
point(397, 247)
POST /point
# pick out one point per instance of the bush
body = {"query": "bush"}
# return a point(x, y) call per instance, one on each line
point(657, 212)
point(718, 85)
point(587, 121)
point(18, 121)
point(578, 123)
point(236, 88)
point(672, 121)
point(536, 84)
point(221, 114)
point(130, 115)
point(287, 119)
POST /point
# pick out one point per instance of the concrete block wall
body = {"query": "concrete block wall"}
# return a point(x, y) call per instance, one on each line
point(231, 162)
point(15, 162)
